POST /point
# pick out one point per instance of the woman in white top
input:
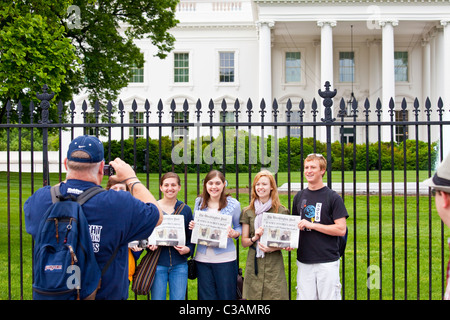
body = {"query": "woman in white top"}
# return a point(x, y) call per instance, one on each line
point(217, 267)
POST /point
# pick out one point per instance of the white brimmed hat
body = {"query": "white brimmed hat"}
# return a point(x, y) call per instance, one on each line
point(441, 179)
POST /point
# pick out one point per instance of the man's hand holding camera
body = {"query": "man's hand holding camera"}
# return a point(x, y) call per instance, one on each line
point(123, 171)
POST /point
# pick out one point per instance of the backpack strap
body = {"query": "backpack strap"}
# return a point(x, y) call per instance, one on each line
point(55, 192)
point(89, 193)
point(81, 199)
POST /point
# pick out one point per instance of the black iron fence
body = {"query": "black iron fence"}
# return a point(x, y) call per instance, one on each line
point(396, 247)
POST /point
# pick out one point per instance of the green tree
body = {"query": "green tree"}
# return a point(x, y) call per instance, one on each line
point(77, 45)
point(33, 52)
point(103, 33)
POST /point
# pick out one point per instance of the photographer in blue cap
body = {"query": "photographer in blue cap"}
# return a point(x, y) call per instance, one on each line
point(440, 188)
point(114, 218)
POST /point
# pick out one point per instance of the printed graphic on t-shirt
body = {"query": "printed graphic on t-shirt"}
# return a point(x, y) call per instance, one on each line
point(313, 213)
point(318, 211)
point(95, 231)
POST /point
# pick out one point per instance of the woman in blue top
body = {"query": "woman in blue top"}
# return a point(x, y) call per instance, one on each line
point(216, 267)
point(172, 263)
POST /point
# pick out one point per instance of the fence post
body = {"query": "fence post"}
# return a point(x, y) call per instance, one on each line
point(45, 97)
point(327, 95)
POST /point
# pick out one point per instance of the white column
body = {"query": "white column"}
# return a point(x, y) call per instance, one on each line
point(388, 72)
point(446, 84)
point(433, 66)
point(326, 66)
point(265, 66)
point(374, 71)
point(439, 65)
point(426, 70)
point(326, 51)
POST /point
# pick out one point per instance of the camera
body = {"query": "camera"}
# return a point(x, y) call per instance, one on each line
point(143, 243)
point(139, 243)
point(108, 170)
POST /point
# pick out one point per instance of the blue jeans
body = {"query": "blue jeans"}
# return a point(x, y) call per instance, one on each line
point(217, 281)
point(176, 276)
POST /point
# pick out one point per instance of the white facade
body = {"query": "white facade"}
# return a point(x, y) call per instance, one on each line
point(259, 33)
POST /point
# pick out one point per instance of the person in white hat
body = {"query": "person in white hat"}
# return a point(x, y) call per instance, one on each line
point(440, 188)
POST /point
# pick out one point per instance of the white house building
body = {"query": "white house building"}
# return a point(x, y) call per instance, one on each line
point(287, 49)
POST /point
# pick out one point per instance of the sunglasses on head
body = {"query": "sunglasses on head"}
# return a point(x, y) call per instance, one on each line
point(315, 154)
point(434, 191)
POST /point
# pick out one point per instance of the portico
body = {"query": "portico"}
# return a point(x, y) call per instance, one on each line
point(321, 32)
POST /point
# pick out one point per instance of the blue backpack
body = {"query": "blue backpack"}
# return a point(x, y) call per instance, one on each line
point(65, 267)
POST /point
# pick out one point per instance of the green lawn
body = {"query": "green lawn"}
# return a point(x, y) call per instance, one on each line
point(408, 253)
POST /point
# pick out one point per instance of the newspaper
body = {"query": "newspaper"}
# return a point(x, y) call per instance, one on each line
point(280, 230)
point(210, 229)
point(170, 232)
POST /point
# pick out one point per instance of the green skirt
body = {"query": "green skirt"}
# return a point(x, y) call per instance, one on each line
point(264, 278)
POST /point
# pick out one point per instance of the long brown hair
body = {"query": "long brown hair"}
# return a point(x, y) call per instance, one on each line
point(205, 195)
point(273, 194)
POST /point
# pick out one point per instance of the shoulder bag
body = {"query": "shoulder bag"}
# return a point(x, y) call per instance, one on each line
point(145, 271)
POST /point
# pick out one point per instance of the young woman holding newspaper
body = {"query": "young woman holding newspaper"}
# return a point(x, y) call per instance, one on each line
point(172, 267)
point(217, 267)
point(264, 272)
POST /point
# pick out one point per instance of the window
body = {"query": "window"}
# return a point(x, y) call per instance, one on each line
point(229, 118)
point(138, 75)
point(347, 135)
point(178, 117)
point(401, 131)
point(139, 119)
point(401, 66)
point(295, 130)
point(292, 67)
point(346, 66)
point(181, 67)
point(226, 67)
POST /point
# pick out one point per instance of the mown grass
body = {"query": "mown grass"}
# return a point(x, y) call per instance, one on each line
point(402, 237)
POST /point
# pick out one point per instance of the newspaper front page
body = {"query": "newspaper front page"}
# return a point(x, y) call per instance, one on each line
point(210, 229)
point(170, 232)
point(280, 230)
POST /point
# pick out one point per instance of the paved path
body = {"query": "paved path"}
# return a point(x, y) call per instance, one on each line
point(361, 188)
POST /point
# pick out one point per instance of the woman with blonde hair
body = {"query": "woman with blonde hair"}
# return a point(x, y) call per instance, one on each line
point(264, 273)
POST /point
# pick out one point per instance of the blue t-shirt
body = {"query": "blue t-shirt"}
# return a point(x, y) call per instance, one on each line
point(115, 218)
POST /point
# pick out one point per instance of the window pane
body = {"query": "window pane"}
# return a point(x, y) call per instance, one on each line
point(181, 67)
point(292, 68)
point(226, 69)
point(346, 66)
point(401, 131)
point(139, 119)
point(138, 75)
point(401, 66)
point(178, 117)
point(295, 130)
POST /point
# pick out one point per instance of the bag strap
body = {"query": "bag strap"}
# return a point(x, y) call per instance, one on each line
point(106, 266)
point(89, 193)
point(55, 192)
point(180, 207)
point(81, 199)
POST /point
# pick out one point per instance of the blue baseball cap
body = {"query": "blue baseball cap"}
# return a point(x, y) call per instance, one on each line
point(89, 144)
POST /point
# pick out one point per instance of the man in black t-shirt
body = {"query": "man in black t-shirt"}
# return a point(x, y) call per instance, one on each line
point(323, 221)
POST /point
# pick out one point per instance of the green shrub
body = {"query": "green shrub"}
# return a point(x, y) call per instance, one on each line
point(347, 157)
